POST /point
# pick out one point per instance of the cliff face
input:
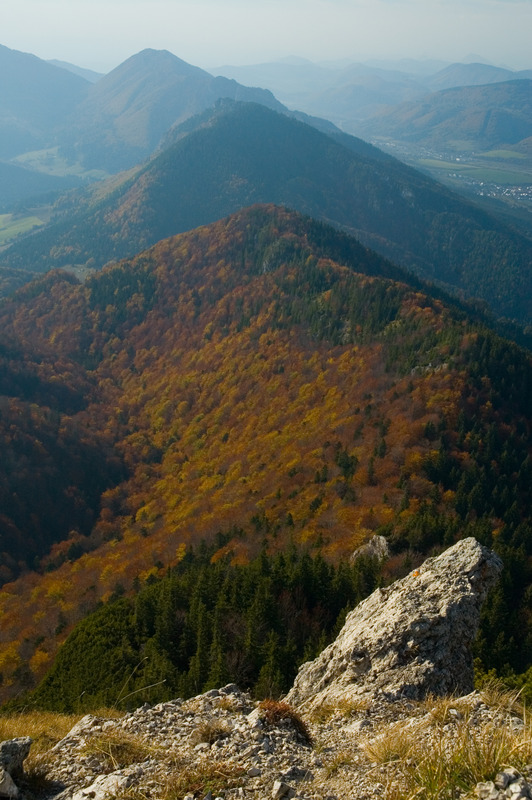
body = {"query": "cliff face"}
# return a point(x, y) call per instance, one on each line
point(410, 639)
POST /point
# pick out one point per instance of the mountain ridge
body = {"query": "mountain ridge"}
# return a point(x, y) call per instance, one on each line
point(246, 153)
point(259, 381)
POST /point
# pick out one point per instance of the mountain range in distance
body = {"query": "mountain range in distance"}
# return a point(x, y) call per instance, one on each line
point(263, 382)
point(480, 118)
point(242, 153)
point(467, 125)
point(84, 126)
point(354, 92)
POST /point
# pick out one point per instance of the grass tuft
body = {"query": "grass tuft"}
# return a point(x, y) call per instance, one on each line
point(199, 779)
point(210, 731)
point(275, 712)
point(117, 750)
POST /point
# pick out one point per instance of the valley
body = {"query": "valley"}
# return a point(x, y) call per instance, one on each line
point(238, 344)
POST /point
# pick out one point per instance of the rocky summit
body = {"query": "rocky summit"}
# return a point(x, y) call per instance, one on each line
point(410, 639)
point(362, 723)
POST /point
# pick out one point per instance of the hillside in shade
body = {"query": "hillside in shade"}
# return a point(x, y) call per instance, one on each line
point(36, 98)
point(262, 384)
point(127, 112)
point(242, 153)
point(19, 184)
point(464, 119)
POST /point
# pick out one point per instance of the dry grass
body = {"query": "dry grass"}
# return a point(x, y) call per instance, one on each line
point(118, 749)
point(46, 728)
point(435, 760)
point(343, 707)
point(497, 696)
point(198, 779)
point(340, 759)
point(443, 710)
point(210, 731)
point(394, 745)
point(457, 764)
point(275, 712)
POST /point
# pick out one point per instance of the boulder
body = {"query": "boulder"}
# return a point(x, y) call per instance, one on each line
point(13, 753)
point(410, 639)
point(377, 547)
point(7, 785)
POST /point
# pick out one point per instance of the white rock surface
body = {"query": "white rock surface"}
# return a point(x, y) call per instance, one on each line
point(408, 640)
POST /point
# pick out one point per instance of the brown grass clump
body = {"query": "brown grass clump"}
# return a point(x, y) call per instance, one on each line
point(210, 731)
point(117, 749)
point(199, 779)
point(275, 712)
point(343, 707)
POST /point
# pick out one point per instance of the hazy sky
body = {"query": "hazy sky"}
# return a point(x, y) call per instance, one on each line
point(101, 33)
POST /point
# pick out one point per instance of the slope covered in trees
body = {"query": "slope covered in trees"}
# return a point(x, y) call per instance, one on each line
point(462, 118)
point(263, 383)
point(127, 112)
point(244, 153)
point(37, 99)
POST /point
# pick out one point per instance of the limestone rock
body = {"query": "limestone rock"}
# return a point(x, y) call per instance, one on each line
point(377, 547)
point(411, 639)
point(13, 753)
point(7, 785)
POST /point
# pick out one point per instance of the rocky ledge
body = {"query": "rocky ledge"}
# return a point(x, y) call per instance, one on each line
point(408, 640)
point(372, 726)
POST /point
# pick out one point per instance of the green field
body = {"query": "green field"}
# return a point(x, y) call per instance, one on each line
point(489, 173)
point(12, 225)
point(509, 155)
point(51, 162)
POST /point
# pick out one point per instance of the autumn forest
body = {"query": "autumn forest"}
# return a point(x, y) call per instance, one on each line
point(197, 439)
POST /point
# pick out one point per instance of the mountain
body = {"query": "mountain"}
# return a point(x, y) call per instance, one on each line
point(351, 94)
point(36, 98)
point(89, 74)
point(266, 385)
point(241, 154)
point(461, 119)
point(474, 74)
point(360, 92)
point(344, 95)
point(126, 113)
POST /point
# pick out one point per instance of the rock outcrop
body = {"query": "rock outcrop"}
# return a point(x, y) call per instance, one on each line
point(221, 745)
point(408, 640)
point(13, 753)
point(400, 644)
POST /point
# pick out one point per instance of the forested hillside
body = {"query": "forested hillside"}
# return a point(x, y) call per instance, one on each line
point(245, 153)
point(263, 384)
point(462, 118)
point(36, 100)
point(128, 111)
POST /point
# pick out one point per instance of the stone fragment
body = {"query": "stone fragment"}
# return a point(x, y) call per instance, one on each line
point(410, 639)
point(7, 785)
point(297, 774)
point(517, 789)
point(281, 789)
point(507, 776)
point(487, 791)
point(230, 688)
point(13, 753)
